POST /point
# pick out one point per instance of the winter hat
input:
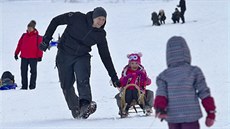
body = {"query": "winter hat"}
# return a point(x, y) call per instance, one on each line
point(99, 11)
point(32, 24)
point(135, 57)
point(7, 74)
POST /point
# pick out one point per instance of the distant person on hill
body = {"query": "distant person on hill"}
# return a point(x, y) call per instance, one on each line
point(182, 6)
point(161, 16)
point(155, 20)
point(176, 16)
point(30, 55)
point(179, 88)
point(73, 59)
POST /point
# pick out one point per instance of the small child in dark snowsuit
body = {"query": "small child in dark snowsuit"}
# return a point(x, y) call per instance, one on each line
point(134, 73)
point(179, 87)
point(7, 81)
point(176, 16)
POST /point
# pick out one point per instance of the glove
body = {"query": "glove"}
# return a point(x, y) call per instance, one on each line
point(39, 59)
point(16, 57)
point(160, 104)
point(116, 83)
point(43, 46)
point(209, 105)
point(209, 122)
point(161, 113)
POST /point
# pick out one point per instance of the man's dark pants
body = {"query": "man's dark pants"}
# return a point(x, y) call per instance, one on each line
point(71, 69)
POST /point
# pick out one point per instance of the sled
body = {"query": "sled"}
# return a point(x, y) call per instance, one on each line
point(135, 104)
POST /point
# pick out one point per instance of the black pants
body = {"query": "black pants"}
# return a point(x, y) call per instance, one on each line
point(74, 69)
point(24, 72)
point(130, 95)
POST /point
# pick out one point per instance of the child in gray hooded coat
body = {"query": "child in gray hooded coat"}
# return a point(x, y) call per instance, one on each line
point(179, 87)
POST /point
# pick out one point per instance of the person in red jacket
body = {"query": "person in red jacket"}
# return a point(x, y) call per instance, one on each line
point(30, 54)
point(134, 73)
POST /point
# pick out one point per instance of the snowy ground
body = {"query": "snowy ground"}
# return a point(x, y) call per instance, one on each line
point(128, 30)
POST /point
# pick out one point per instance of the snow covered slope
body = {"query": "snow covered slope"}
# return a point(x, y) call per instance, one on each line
point(128, 30)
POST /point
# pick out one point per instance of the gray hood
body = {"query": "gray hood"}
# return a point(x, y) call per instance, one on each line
point(177, 52)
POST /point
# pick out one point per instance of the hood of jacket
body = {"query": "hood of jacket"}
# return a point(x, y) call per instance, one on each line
point(177, 52)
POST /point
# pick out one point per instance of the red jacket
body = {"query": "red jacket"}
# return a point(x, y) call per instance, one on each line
point(138, 77)
point(28, 45)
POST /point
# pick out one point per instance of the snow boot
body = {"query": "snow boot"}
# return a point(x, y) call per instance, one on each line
point(87, 109)
point(149, 111)
point(75, 114)
point(123, 114)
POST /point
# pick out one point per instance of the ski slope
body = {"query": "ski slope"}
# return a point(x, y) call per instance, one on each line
point(128, 30)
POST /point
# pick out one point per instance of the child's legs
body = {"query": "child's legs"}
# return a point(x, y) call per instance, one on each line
point(149, 98)
point(135, 95)
point(174, 125)
point(190, 125)
point(128, 96)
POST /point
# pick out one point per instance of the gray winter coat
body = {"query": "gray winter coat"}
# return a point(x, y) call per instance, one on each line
point(181, 83)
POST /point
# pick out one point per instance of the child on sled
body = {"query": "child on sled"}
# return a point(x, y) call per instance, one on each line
point(133, 87)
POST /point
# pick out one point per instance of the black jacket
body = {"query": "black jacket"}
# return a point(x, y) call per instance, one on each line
point(79, 36)
point(154, 17)
point(182, 5)
point(176, 15)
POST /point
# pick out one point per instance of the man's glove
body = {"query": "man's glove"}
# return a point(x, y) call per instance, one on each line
point(116, 83)
point(43, 46)
point(39, 59)
point(16, 57)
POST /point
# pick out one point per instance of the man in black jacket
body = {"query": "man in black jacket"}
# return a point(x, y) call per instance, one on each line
point(182, 6)
point(73, 58)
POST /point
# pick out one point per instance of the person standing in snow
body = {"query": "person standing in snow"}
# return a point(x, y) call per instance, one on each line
point(179, 87)
point(182, 6)
point(30, 55)
point(73, 58)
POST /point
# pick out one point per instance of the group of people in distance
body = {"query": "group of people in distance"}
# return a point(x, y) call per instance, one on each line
point(158, 19)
